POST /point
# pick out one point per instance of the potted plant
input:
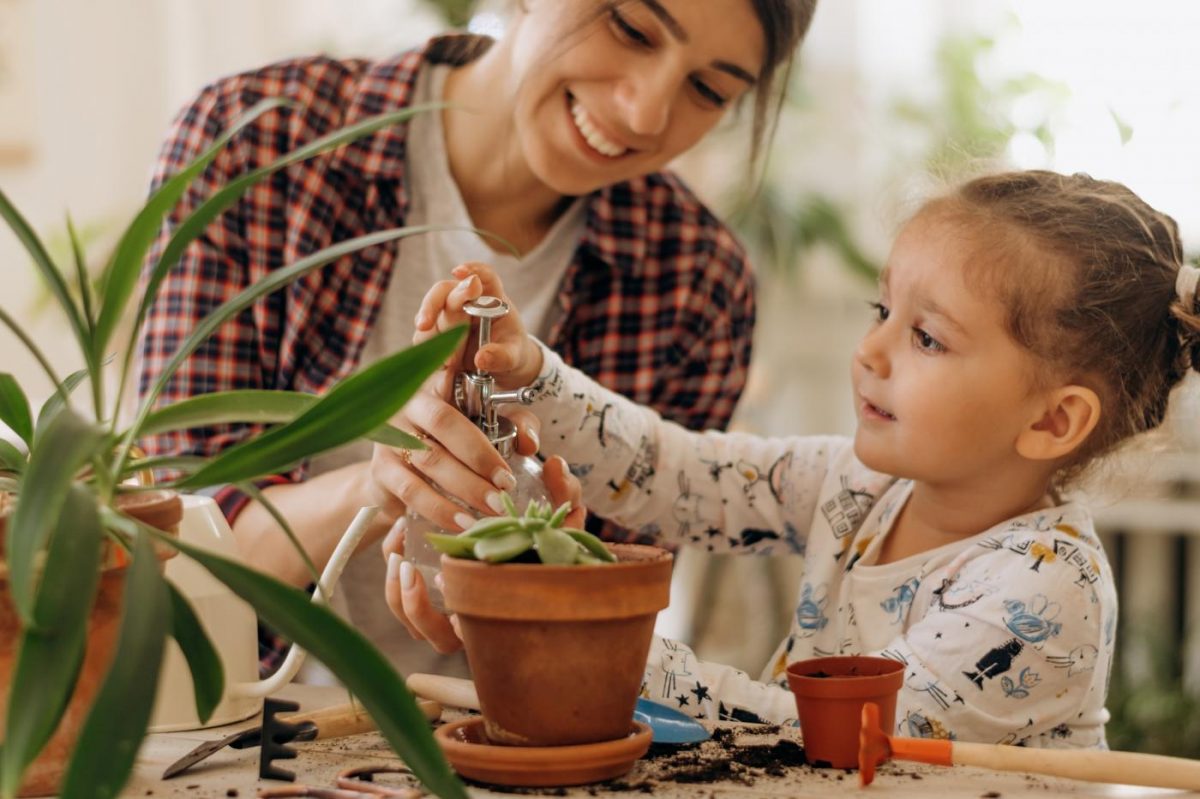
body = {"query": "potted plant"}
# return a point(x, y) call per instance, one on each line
point(556, 624)
point(80, 579)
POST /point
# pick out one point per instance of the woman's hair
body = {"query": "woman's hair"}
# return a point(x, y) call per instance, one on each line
point(1087, 274)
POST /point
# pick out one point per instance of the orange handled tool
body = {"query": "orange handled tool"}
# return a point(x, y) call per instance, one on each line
point(1094, 765)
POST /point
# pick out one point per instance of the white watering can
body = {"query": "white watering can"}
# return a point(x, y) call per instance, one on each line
point(230, 622)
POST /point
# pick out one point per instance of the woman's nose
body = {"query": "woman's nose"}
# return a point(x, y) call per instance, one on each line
point(871, 352)
point(645, 102)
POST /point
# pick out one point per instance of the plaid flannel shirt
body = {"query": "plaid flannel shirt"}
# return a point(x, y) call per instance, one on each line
point(657, 301)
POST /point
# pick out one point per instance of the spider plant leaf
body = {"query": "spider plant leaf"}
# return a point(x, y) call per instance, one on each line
point(67, 444)
point(81, 275)
point(350, 409)
point(14, 408)
point(50, 274)
point(50, 654)
point(57, 400)
point(253, 491)
point(11, 458)
point(348, 654)
point(253, 406)
point(116, 723)
point(190, 228)
point(208, 675)
point(121, 273)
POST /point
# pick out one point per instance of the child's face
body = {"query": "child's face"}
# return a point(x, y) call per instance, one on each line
point(641, 84)
point(941, 389)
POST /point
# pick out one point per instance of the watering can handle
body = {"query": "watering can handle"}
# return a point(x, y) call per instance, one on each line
point(1127, 768)
point(321, 596)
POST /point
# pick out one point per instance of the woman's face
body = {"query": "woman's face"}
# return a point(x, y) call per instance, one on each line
point(608, 91)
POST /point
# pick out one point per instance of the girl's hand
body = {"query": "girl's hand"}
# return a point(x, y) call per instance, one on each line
point(404, 588)
point(512, 357)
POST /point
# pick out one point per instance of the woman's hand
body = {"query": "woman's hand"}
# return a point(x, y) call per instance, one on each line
point(405, 590)
point(512, 357)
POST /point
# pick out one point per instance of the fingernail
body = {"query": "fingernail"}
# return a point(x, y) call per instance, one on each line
point(408, 575)
point(420, 320)
point(537, 442)
point(493, 501)
point(464, 520)
point(464, 284)
point(503, 479)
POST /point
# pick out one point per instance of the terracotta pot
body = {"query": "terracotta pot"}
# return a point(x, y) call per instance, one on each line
point(558, 652)
point(830, 693)
point(163, 509)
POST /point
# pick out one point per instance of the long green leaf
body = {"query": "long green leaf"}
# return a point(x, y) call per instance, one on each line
point(251, 490)
point(11, 459)
point(58, 400)
point(352, 408)
point(33, 348)
point(14, 408)
point(121, 273)
point(49, 657)
point(81, 275)
point(191, 227)
point(45, 264)
point(115, 725)
point(208, 675)
point(344, 650)
point(253, 406)
point(276, 280)
point(67, 444)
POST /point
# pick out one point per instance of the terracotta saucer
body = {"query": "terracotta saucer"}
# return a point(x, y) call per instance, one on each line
point(474, 757)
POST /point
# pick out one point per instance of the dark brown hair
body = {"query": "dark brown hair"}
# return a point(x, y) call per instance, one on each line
point(1086, 271)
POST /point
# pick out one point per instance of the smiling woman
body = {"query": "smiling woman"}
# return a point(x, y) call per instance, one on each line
point(555, 139)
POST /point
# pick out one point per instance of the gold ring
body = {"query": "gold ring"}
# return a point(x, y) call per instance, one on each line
point(406, 457)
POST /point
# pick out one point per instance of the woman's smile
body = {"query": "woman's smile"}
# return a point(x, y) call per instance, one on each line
point(595, 140)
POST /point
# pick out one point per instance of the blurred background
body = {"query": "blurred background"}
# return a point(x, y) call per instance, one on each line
point(889, 101)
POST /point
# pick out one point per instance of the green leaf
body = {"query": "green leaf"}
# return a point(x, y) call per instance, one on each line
point(81, 275)
point(14, 408)
point(45, 265)
point(593, 544)
point(456, 546)
point(57, 400)
point(500, 548)
point(208, 675)
point(190, 228)
point(11, 458)
point(49, 657)
point(253, 406)
point(555, 546)
point(350, 409)
point(66, 445)
point(115, 725)
point(254, 493)
point(121, 273)
point(344, 650)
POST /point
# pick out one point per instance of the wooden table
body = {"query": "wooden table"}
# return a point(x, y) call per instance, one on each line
point(232, 773)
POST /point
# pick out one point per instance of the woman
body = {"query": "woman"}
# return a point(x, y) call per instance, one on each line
point(556, 143)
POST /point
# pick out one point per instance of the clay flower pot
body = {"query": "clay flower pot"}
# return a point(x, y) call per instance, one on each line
point(830, 693)
point(161, 509)
point(558, 652)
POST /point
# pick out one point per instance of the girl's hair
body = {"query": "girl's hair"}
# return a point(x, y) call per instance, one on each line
point(1087, 273)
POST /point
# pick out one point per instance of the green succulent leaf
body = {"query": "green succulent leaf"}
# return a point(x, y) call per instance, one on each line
point(352, 408)
point(116, 723)
point(556, 547)
point(67, 444)
point(253, 406)
point(592, 544)
point(500, 548)
point(14, 408)
point(344, 650)
point(49, 656)
point(121, 273)
point(208, 674)
point(456, 546)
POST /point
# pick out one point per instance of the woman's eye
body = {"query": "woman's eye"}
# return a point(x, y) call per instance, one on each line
point(881, 311)
point(926, 341)
point(627, 29)
point(709, 94)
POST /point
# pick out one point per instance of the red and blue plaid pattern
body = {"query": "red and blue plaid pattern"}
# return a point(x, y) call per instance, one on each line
point(658, 300)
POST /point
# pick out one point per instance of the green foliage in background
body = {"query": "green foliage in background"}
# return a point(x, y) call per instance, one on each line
point(1154, 713)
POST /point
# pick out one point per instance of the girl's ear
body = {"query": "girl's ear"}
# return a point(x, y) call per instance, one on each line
point(1070, 415)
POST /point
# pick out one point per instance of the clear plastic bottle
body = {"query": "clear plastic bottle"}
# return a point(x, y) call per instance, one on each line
point(476, 396)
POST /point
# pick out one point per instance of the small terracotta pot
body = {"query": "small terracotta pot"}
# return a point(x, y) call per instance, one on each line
point(830, 693)
point(558, 652)
point(162, 509)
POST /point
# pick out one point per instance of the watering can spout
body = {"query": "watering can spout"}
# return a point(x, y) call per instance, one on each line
point(230, 623)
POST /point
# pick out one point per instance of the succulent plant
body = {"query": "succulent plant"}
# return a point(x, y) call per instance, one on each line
point(537, 536)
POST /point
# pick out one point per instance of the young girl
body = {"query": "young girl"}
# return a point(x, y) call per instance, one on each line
point(1027, 323)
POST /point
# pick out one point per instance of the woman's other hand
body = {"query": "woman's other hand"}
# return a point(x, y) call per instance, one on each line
point(512, 357)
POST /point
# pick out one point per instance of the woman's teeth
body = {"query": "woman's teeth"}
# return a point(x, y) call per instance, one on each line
point(595, 139)
point(882, 412)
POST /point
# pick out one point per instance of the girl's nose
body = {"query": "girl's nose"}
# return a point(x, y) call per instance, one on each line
point(871, 352)
point(645, 102)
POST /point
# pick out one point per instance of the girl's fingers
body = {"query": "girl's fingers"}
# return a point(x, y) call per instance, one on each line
point(408, 599)
point(565, 487)
point(528, 429)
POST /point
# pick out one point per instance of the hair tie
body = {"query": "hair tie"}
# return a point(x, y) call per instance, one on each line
point(1185, 285)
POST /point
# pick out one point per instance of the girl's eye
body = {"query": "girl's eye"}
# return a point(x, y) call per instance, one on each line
point(627, 30)
point(927, 342)
point(881, 311)
point(709, 94)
